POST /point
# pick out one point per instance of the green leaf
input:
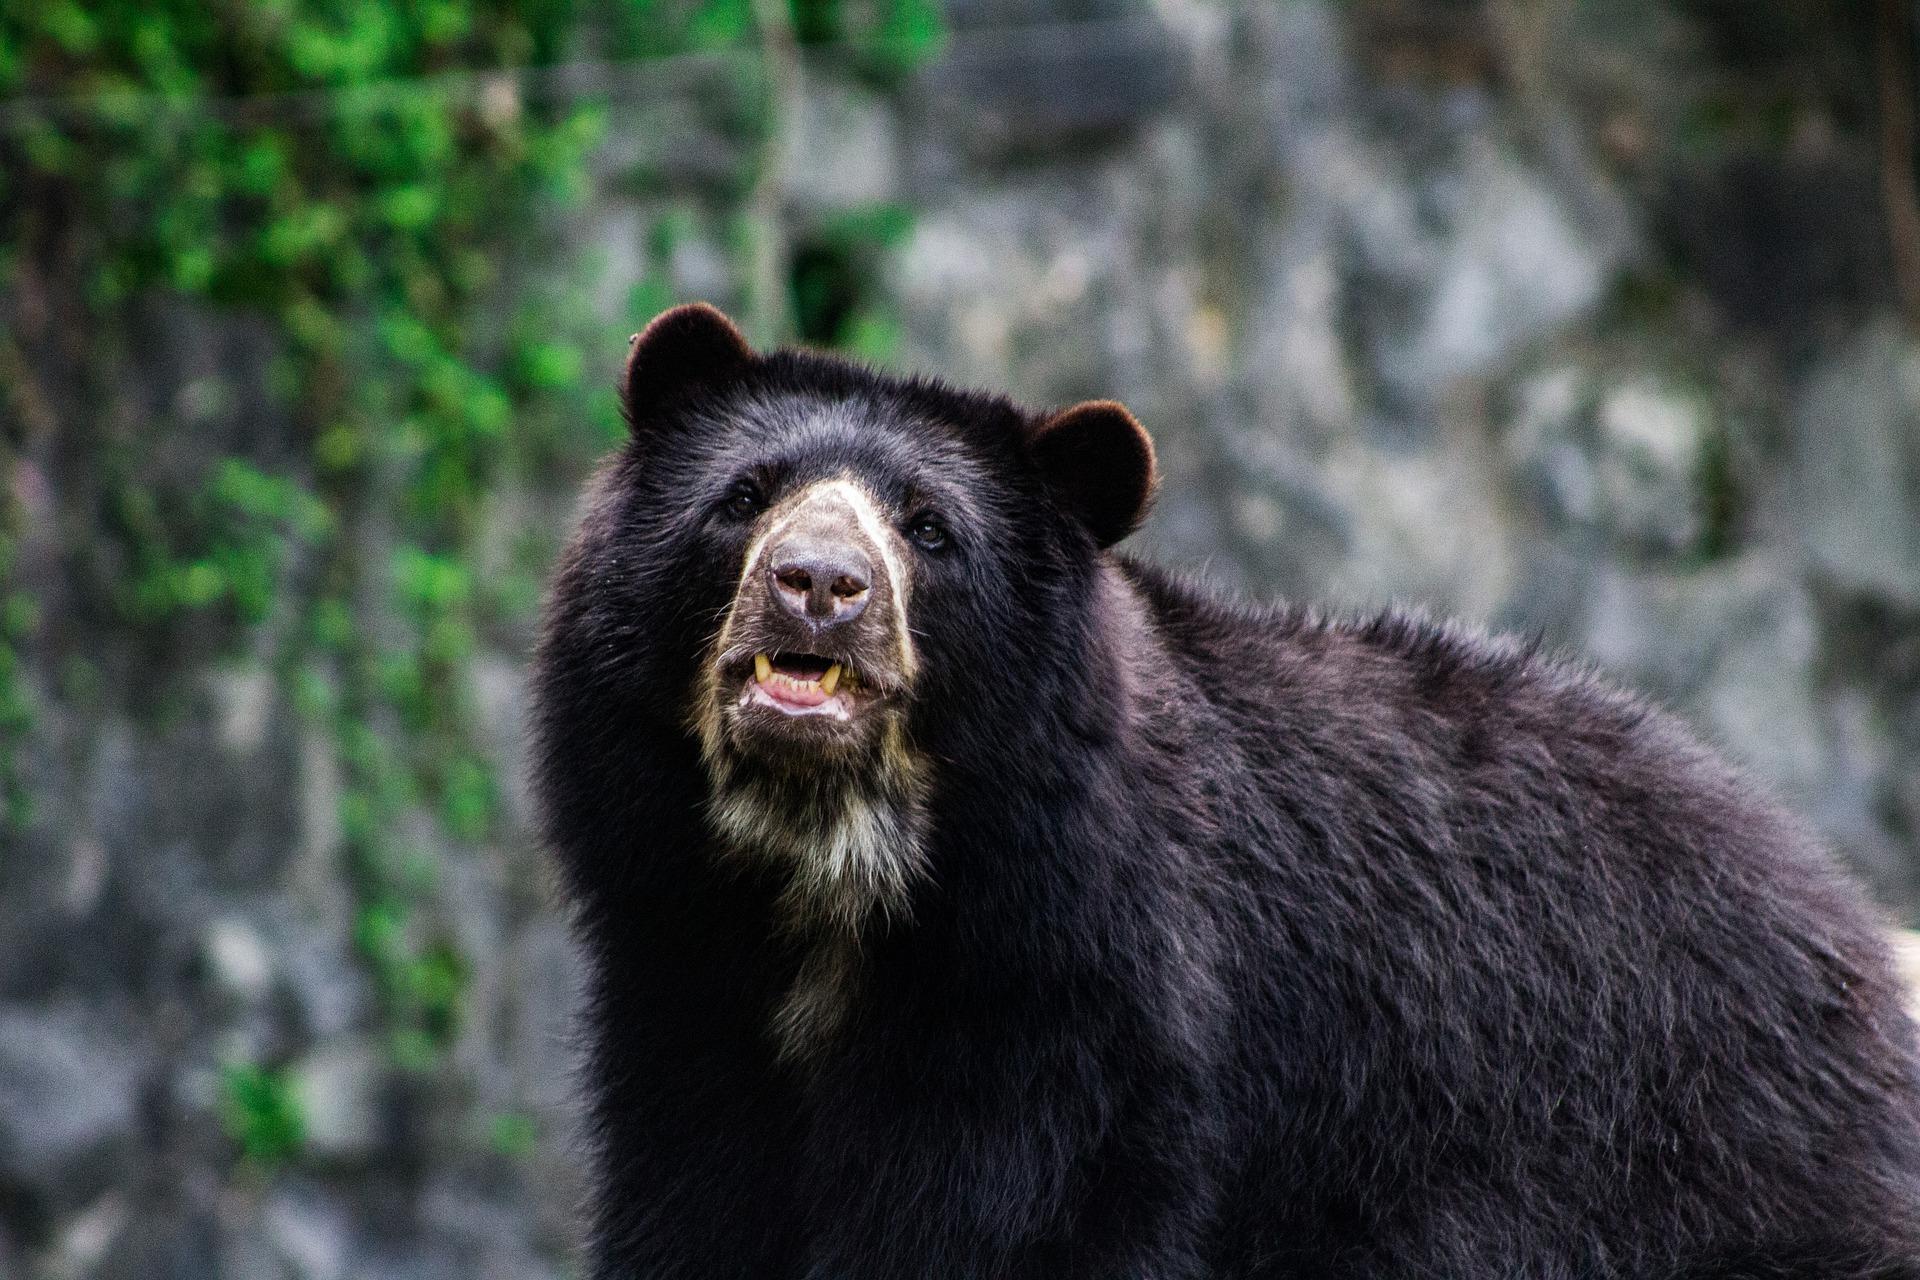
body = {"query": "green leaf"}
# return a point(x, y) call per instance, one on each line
point(551, 366)
point(192, 269)
point(71, 27)
point(19, 616)
point(410, 208)
point(512, 1135)
point(262, 166)
point(718, 24)
point(874, 336)
point(260, 1110)
point(468, 799)
point(426, 582)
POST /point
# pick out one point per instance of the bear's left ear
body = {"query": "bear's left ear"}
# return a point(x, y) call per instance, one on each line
point(1098, 460)
point(684, 349)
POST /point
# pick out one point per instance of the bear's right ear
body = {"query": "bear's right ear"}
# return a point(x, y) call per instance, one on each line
point(685, 349)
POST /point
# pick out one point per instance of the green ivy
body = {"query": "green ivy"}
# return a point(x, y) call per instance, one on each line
point(371, 183)
point(261, 1112)
point(511, 1134)
point(19, 617)
point(834, 265)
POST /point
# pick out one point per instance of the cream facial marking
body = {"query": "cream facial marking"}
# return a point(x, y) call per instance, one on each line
point(852, 837)
point(867, 515)
point(848, 493)
point(849, 829)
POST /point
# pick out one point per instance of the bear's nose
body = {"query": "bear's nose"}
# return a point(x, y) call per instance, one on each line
point(822, 582)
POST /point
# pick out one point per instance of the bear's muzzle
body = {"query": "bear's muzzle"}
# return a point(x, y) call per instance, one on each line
point(815, 645)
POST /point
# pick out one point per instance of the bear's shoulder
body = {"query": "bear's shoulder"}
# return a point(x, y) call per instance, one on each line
point(1395, 647)
point(1398, 692)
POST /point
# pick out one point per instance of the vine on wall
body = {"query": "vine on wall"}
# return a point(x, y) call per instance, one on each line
point(363, 188)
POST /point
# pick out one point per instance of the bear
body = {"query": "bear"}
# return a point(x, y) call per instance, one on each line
point(963, 897)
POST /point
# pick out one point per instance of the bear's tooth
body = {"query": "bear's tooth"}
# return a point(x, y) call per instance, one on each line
point(762, 667)
point(830, 680)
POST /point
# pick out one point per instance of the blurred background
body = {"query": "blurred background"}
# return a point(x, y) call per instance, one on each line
point(1597, 318)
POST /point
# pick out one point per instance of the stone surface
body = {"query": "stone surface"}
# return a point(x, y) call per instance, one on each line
point(68, 1098)
point(311, 1234)
point(1856, 465)
point(340, 1087)
point(1005, 92)
point(843, 148)
point(238, 961)
point(1626, 459)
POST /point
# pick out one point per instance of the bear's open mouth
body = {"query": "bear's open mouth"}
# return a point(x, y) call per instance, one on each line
point(802, 684)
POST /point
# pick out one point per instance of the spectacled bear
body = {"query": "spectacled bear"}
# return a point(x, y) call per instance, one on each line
point(965, 899)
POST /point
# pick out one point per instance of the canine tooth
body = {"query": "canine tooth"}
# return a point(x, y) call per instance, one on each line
point(831, 679)
point(762, 667)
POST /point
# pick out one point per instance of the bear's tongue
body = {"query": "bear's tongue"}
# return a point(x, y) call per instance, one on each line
point(797, 679)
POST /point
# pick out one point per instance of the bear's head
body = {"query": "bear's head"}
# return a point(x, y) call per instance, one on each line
point(830, 585)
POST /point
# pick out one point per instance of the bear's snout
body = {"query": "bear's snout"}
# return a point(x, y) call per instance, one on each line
point(815, 657)
point(822, 580)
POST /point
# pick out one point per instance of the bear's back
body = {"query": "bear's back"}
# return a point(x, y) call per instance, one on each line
point(1519, 938)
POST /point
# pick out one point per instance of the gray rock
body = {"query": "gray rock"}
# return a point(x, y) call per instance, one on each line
point(1422, 528)
point(1665, 630)
point(311, 1232)
point(1652, 447)
point(544, 1037)
point(247, 1252)
point(618, 239)
point(425, 1261)
point(843, 148)
point(1855, 483)
point(325, 982)
point(244, 698)
point(86, 1237)
point(517, 1263)
point(699, 268)
point(1760, 698)
point(167, 1244)
point(1510, 267)
point(340, 1086)
point(1544, 445)
point(237, 959)
point(1728, 646)
point(1625, 460)
point(68, 1104)
point(987, 284)
point(499, 689)
point(314, 875)
point(1002, 92)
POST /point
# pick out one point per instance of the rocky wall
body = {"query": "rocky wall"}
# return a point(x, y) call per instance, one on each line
point(1574, 319)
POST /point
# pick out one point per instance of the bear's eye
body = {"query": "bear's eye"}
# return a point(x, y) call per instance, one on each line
point(744, 500)
point(928, 532)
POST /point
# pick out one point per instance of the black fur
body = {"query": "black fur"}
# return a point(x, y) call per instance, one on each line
point(1254, 943)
